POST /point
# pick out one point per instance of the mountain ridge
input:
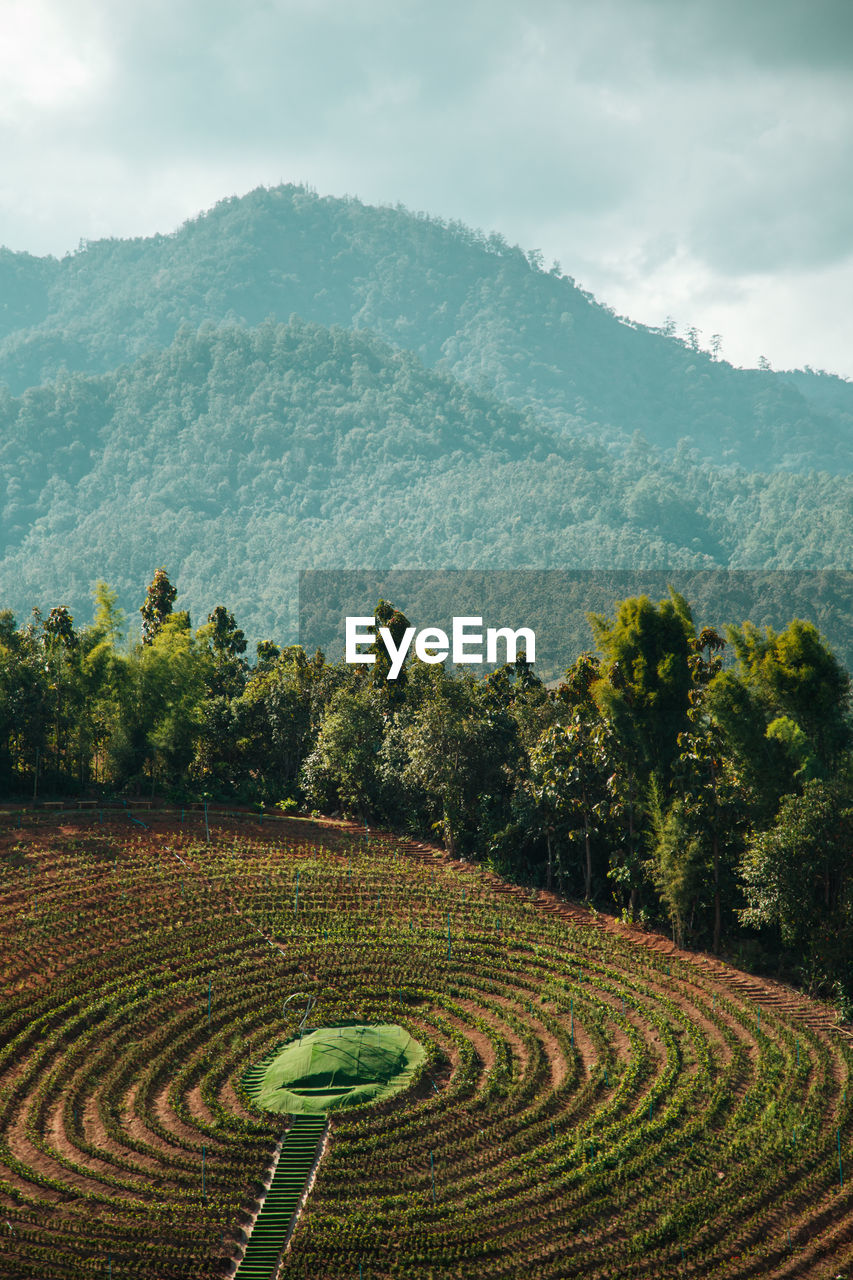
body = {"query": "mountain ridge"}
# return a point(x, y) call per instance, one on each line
point(237, 456)
point(462, 301)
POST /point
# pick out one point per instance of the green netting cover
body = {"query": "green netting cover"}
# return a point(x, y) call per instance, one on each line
point(337, 1067)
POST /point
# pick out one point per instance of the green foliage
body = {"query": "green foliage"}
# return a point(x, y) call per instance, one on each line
point(641, 777)
point(645, 692)
point(797, 878)
point(676, 862)
point(442, 400)
point(157, 606)
point(796, 675)
point(342, 769)
point(482, 309)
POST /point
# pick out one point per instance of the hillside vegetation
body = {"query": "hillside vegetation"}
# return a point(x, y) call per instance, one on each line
point(238, 456)
point(291, 382)
point(479, 308)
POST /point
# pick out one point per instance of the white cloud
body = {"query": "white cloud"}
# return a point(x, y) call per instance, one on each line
point(677, 157)
point(48, 59)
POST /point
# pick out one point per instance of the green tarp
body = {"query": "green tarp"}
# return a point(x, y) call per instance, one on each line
point(337, 1067)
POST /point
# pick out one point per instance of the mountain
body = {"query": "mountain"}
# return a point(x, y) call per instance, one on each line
point(463, 303)
point(290, 382)
point(236, 456)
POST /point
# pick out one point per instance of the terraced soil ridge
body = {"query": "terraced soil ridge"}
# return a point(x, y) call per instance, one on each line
point(595, 1105)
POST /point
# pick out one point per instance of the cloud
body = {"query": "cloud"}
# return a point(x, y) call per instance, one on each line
point(661, 149)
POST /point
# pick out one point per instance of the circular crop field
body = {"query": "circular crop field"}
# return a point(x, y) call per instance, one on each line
point(592, 1103)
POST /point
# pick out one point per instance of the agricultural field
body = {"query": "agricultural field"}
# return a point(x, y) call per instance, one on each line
point(593, 1103)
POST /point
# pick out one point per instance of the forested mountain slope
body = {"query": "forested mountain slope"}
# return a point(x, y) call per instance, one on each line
point(237, 456)
point(468, 304)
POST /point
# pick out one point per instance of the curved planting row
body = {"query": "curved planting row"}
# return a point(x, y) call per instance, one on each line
point(592, 1104)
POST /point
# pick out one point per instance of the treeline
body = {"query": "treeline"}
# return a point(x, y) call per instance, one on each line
point(715, 798)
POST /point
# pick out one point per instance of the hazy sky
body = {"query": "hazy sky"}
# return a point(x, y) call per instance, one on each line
point(691, 158)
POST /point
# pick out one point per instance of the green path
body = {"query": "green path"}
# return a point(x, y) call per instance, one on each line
point(294, 1165)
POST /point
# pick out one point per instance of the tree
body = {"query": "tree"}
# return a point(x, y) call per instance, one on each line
point(226, 638)
point(158, 605)
point(109, 617)
point(25, 703)
point(160, 700)
point(342, 765)
point(760, 762)
point(396, 623)
point(226, 644)
point(676, 863)
point(59, 640)
point(644, 691)
point(795, 674)
point(448, 741)
point(275, 716)
point(797, 878)
point(705, 811)
point(567, 771)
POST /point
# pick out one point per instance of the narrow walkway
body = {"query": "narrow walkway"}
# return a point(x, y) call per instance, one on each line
point(270, 1232)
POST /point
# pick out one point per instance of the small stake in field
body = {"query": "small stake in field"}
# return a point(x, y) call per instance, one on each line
point(840, 1170)
point(448, 935)
point(296, 899)
point(432, 1171)
point(209, 1000)
point(202, 1171)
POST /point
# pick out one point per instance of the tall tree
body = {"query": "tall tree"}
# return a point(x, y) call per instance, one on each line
point(796, 675)
point(645, 690)
point(158, 605)
point(798, 880)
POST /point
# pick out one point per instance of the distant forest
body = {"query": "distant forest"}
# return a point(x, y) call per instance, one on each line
point(290, 382)
point(713, 800)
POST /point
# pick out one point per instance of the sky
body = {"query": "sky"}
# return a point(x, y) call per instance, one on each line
point(690, 159)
